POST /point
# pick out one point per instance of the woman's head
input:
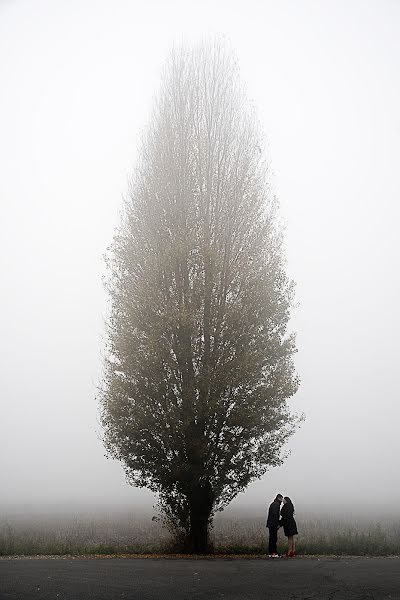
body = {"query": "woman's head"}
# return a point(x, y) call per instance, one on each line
point(288, 501)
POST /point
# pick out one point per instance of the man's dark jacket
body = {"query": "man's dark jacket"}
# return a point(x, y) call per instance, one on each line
point(273, 514)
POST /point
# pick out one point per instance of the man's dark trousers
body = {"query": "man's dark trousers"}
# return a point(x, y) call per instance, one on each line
point(273, 540)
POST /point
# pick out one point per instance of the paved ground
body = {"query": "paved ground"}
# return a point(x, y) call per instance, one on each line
point(200, 579)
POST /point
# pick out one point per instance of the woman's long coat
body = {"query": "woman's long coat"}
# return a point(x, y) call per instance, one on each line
point(287, 520)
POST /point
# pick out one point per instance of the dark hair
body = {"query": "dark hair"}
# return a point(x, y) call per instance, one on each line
point(289, 502)
point(278, 496)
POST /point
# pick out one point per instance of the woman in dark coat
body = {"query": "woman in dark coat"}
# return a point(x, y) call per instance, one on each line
point(289, 525)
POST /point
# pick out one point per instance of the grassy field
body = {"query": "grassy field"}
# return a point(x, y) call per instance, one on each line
point(125, 532)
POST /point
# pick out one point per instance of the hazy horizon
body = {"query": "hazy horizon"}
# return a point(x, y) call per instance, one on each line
point(343, 511)
point(78, 82)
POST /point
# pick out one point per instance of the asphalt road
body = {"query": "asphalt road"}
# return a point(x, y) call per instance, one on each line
point(199, 579)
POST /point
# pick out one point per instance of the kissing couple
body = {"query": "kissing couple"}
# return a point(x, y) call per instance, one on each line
point(281, 517)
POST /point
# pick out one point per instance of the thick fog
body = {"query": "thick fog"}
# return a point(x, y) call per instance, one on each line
point(77, 84)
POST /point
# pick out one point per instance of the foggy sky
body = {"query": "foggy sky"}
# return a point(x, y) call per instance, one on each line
point(77, 82)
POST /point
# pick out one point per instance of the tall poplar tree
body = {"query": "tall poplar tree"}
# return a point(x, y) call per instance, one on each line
point(199, 364)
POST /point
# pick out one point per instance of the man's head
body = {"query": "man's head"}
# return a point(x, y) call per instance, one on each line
point(279, 497)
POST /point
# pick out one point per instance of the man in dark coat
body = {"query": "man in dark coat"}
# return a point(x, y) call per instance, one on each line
point(273, 525)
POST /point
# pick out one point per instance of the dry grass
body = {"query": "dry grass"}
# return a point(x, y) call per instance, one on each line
point(125, 533)
point(318, 536)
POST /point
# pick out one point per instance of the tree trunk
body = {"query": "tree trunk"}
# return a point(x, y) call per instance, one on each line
point(199, 534)
point(201, 503)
